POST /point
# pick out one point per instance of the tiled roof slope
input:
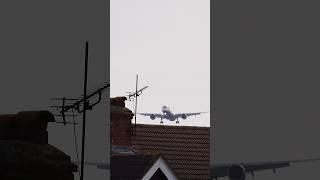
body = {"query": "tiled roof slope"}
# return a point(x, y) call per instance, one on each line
point(186, 148)
point(131, 166)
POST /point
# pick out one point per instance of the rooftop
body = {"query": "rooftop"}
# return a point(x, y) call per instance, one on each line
point(186, 148)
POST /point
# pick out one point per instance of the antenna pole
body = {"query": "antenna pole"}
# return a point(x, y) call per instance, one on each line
point(135, 109)
point(84, 110)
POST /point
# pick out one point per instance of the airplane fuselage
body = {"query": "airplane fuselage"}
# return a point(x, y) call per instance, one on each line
point(168, 114)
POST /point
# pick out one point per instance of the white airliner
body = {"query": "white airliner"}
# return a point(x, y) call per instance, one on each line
point(168, 114)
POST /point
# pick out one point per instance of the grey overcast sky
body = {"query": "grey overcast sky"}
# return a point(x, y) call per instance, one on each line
point(42, 56)
point(167, 43)
point(266, 84)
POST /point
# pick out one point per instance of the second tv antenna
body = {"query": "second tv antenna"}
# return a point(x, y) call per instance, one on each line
point(135, 95)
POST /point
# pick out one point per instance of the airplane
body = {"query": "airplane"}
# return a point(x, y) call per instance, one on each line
point(168, 114)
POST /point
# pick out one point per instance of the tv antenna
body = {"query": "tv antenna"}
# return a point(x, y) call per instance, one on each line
point(81, 105)
point(135, 95)
point(131, 95)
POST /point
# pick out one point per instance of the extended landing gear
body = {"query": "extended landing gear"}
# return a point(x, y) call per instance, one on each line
point(161, 122)
point(177, 121)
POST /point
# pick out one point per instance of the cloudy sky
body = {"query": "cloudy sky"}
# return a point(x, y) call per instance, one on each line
point(167, 43)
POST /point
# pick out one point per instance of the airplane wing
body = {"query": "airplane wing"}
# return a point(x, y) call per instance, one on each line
point(223, 170)
point(157, 115)
point(179, 115)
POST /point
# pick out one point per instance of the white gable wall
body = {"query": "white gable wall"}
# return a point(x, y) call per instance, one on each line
point(160, 163)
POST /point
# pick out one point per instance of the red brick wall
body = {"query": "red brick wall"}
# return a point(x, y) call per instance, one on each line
point(121, 130)
point(120, 122)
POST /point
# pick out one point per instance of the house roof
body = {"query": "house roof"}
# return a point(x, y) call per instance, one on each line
point(185, 148)
point(131, 166)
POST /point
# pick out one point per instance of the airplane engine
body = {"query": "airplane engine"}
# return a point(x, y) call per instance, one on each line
point(237, 172)
point(183, 116)
point(152, 117)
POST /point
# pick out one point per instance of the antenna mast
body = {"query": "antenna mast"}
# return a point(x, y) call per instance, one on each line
point(135, 94)
point(85, 104)
point(135, 109)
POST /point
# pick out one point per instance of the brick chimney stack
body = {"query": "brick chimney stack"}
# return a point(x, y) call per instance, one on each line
point(25, 152)
point(121, 118)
